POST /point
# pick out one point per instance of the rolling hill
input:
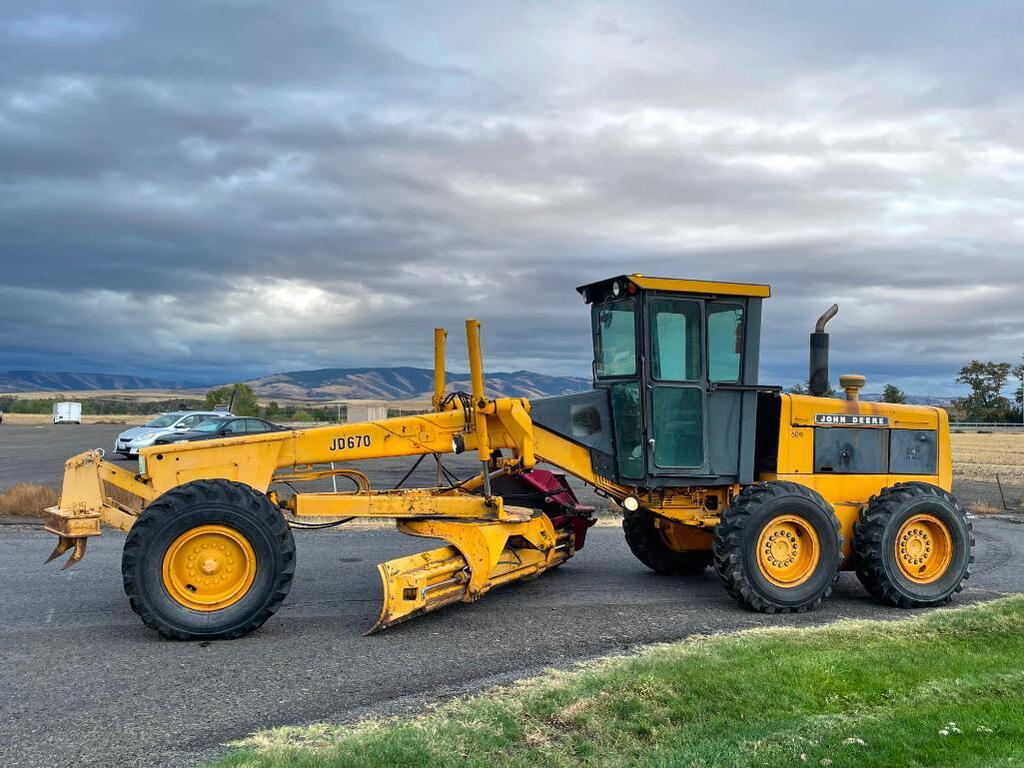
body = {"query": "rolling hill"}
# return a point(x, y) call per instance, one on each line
point(404, 384)
point(52, 381)
point(308, 386)
point(325, 384)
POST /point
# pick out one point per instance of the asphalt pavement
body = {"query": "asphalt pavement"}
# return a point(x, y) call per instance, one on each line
point(86, 684)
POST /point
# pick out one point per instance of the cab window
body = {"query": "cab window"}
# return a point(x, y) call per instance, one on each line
point(678, 426)
point(614, 326)
point(725, 342)
point(675, 340)
point(628, 435)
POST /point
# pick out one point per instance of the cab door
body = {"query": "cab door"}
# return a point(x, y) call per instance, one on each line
point(731, 401)
point(695, 390)
point(676, 386)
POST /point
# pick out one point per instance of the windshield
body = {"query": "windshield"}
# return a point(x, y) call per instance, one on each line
point(210, 426)
point(615, 338)
point(163, 421)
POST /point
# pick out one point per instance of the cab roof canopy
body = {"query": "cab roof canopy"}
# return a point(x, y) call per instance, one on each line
point(631, 283)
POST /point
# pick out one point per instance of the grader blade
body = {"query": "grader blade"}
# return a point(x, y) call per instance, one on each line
point(482, 555)
point(421, 583)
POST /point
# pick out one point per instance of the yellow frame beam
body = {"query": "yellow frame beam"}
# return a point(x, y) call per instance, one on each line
point(403, 505)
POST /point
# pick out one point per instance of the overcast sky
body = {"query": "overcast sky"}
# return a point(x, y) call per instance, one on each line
point(204, 191)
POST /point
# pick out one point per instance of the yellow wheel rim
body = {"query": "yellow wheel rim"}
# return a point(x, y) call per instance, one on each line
point(924, 548)
point(788, 551)
point(209, 567)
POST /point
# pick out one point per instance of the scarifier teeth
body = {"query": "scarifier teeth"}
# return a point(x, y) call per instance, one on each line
point(63, 545)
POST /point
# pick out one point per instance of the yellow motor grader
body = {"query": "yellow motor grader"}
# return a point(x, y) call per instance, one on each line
point(778, 492)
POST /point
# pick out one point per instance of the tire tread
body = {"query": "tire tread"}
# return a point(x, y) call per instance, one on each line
point(869, 532)
point(730, 535)
point(225, 492)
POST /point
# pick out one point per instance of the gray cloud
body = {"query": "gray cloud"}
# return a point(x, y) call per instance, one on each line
point(208, 190)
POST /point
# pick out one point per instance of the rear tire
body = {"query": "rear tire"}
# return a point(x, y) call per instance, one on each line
point(646, 542)
point(210, 559)
point(912, 546)
point(778, 548)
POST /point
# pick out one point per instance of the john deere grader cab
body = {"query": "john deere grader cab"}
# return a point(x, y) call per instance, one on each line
point(777, 492)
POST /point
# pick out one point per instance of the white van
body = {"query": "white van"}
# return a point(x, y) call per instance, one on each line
point(67, 413)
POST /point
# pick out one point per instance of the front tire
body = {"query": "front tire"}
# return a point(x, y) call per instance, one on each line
point(778, 548)
point(649, 546)
point(210, 559)
point(913, 546)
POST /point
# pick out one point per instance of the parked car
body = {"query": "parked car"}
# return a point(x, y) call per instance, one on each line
point(67, 413)
point(221, 427)
point(131, 440)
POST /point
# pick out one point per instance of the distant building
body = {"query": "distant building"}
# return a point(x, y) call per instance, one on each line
point(360, 412)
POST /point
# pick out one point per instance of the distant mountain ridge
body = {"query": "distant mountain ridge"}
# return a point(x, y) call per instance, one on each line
point(322, 384)
point(405, 383)
point(55, 381)
point(397, 383)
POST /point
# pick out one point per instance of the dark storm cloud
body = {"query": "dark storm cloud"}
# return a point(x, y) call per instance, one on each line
point(207, 190)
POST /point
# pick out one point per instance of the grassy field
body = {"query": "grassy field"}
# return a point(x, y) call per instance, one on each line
point(945, 688)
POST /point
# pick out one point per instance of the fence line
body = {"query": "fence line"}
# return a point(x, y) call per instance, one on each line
point(1001, 426)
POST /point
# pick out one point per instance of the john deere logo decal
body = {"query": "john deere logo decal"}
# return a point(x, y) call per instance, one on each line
point(850, 420)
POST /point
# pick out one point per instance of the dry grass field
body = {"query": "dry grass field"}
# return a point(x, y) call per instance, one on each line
point(40, 419)
point(981, 457)
point(26, 500)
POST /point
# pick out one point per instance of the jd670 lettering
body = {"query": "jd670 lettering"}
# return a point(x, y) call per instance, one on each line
point(777, 492)
point(350, 442)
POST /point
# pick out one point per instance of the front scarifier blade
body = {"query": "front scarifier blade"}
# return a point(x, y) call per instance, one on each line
point(65, 543)
point(481, 555)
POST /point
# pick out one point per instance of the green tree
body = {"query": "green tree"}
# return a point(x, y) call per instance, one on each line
point(244, 403)
point(1018, 372)
point(273, 410)
point(804, 388)
point(986, 380)
point(302, 416)
point(893, 394)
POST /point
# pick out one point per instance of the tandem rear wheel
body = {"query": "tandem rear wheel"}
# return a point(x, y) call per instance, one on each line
point(210, 559)
point(912, 546)
point(778, 548)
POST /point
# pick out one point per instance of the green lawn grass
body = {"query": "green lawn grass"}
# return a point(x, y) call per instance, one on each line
point(944, 688)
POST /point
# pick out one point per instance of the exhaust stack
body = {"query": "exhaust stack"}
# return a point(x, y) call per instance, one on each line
point(818, 379)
